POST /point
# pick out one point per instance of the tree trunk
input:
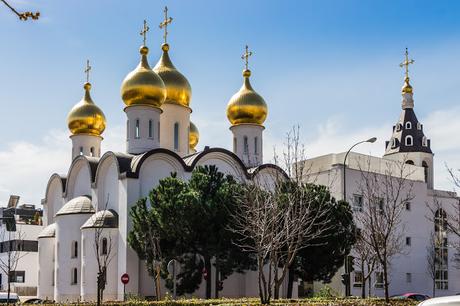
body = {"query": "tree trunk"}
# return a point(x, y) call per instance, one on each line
point(363, 282)
point(216, 282)
point(207, 265)
point(276, 294)
point(291, 275)
point(434, 288)
point(369, 282)
point(385, 281)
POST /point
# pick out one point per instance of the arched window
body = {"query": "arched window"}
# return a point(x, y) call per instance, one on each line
point(127, 129)
point(176, 136)
point(245, 145)
point(234, 144)
point(408, 125)
point(104, 246)
point(409, 162)
point(441, 250)
point(419, 126)
point(394, 143)
point(425, 170)
point(91, 151)
point(74, 253)
point(409, 140)
point(137, 130)
point(398, 127)
point(150, 128)
point(256, 144)
point(81, 150)
point(74, 276)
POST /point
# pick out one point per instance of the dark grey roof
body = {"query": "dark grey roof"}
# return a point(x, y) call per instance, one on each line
point(78, 205)
point(103, 218)
point(48, 232)
point(397, 143)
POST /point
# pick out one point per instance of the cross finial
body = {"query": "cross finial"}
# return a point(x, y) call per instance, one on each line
point(406, 63)
point(165, 23)
point(246, 56)
point(144, 31)
point(87, 70)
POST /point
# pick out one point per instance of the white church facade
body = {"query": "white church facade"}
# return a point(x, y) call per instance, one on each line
point(160, 140)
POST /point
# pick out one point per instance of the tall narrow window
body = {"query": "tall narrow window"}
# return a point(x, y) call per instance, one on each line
point(176, 136)
point(81, 150)
point(74, 279)
point(137, 135)
point(91, 151)
point(245, 145)
point(150, 128)
point(234, 144)
point(74, 249)
point(256, 145)
point(425, 170)
point(158, 131)
point(408, 125)
point(441, 250)
point(104, 246)
point(127, 129)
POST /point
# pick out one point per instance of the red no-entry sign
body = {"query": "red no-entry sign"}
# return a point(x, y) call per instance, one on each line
point(125, 278)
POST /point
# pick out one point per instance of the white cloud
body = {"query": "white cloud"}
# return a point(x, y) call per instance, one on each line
point(26, 166)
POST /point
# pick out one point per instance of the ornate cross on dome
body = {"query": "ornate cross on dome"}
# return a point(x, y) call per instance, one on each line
point(87, 70)
point(246, 56)
point(144, 31)
point(406, 64)
point(165, 23)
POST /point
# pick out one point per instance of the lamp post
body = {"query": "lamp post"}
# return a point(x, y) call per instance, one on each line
point(346, 276)
point(370, 140)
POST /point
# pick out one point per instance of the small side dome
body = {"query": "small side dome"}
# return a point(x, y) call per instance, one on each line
point(142, 86)
point(102, 219)
point(85, 117)
point(178, 90)
point(247, 106)
point(48, 232)
point(194, 136)
point(78, 205)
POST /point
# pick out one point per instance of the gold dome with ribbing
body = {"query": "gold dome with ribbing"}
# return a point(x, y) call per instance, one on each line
point(86, 117)
point(247, 106)
point(193, 136)
point(178, 90)
point(142, 86)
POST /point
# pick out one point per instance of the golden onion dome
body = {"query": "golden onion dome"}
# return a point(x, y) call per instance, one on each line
point(193, 136)
point(142, 86)
point(407, 88)
point(178, 90)
point(85, 117)
point(246, 106)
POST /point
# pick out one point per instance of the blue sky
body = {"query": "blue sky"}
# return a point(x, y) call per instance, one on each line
point(330, 66)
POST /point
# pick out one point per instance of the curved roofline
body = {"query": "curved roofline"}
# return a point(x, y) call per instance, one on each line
point(137, 164)
point(63, 184)
point(113, 212)
point(122, 161)
point(91, 162)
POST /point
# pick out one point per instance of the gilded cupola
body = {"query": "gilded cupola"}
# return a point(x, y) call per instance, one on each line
point(407, 88)
point(194, 136)
point(246, 106)
point(142, 86)
point(85, 117)
point(178, 90)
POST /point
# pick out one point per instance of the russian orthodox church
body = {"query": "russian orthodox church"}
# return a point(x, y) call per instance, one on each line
point(160, 140)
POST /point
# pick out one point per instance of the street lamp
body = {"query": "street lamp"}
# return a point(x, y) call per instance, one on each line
point(346, 277)
point(370, 140)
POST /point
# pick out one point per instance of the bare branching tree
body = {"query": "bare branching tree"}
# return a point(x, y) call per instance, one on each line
point(385, 195)
point(103, 247)
point(275, 221)
point(22, 16)
point(12, 246)
point(432, 261)
point(366, 259)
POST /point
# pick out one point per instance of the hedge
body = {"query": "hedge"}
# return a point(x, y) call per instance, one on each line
point(256, 302)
